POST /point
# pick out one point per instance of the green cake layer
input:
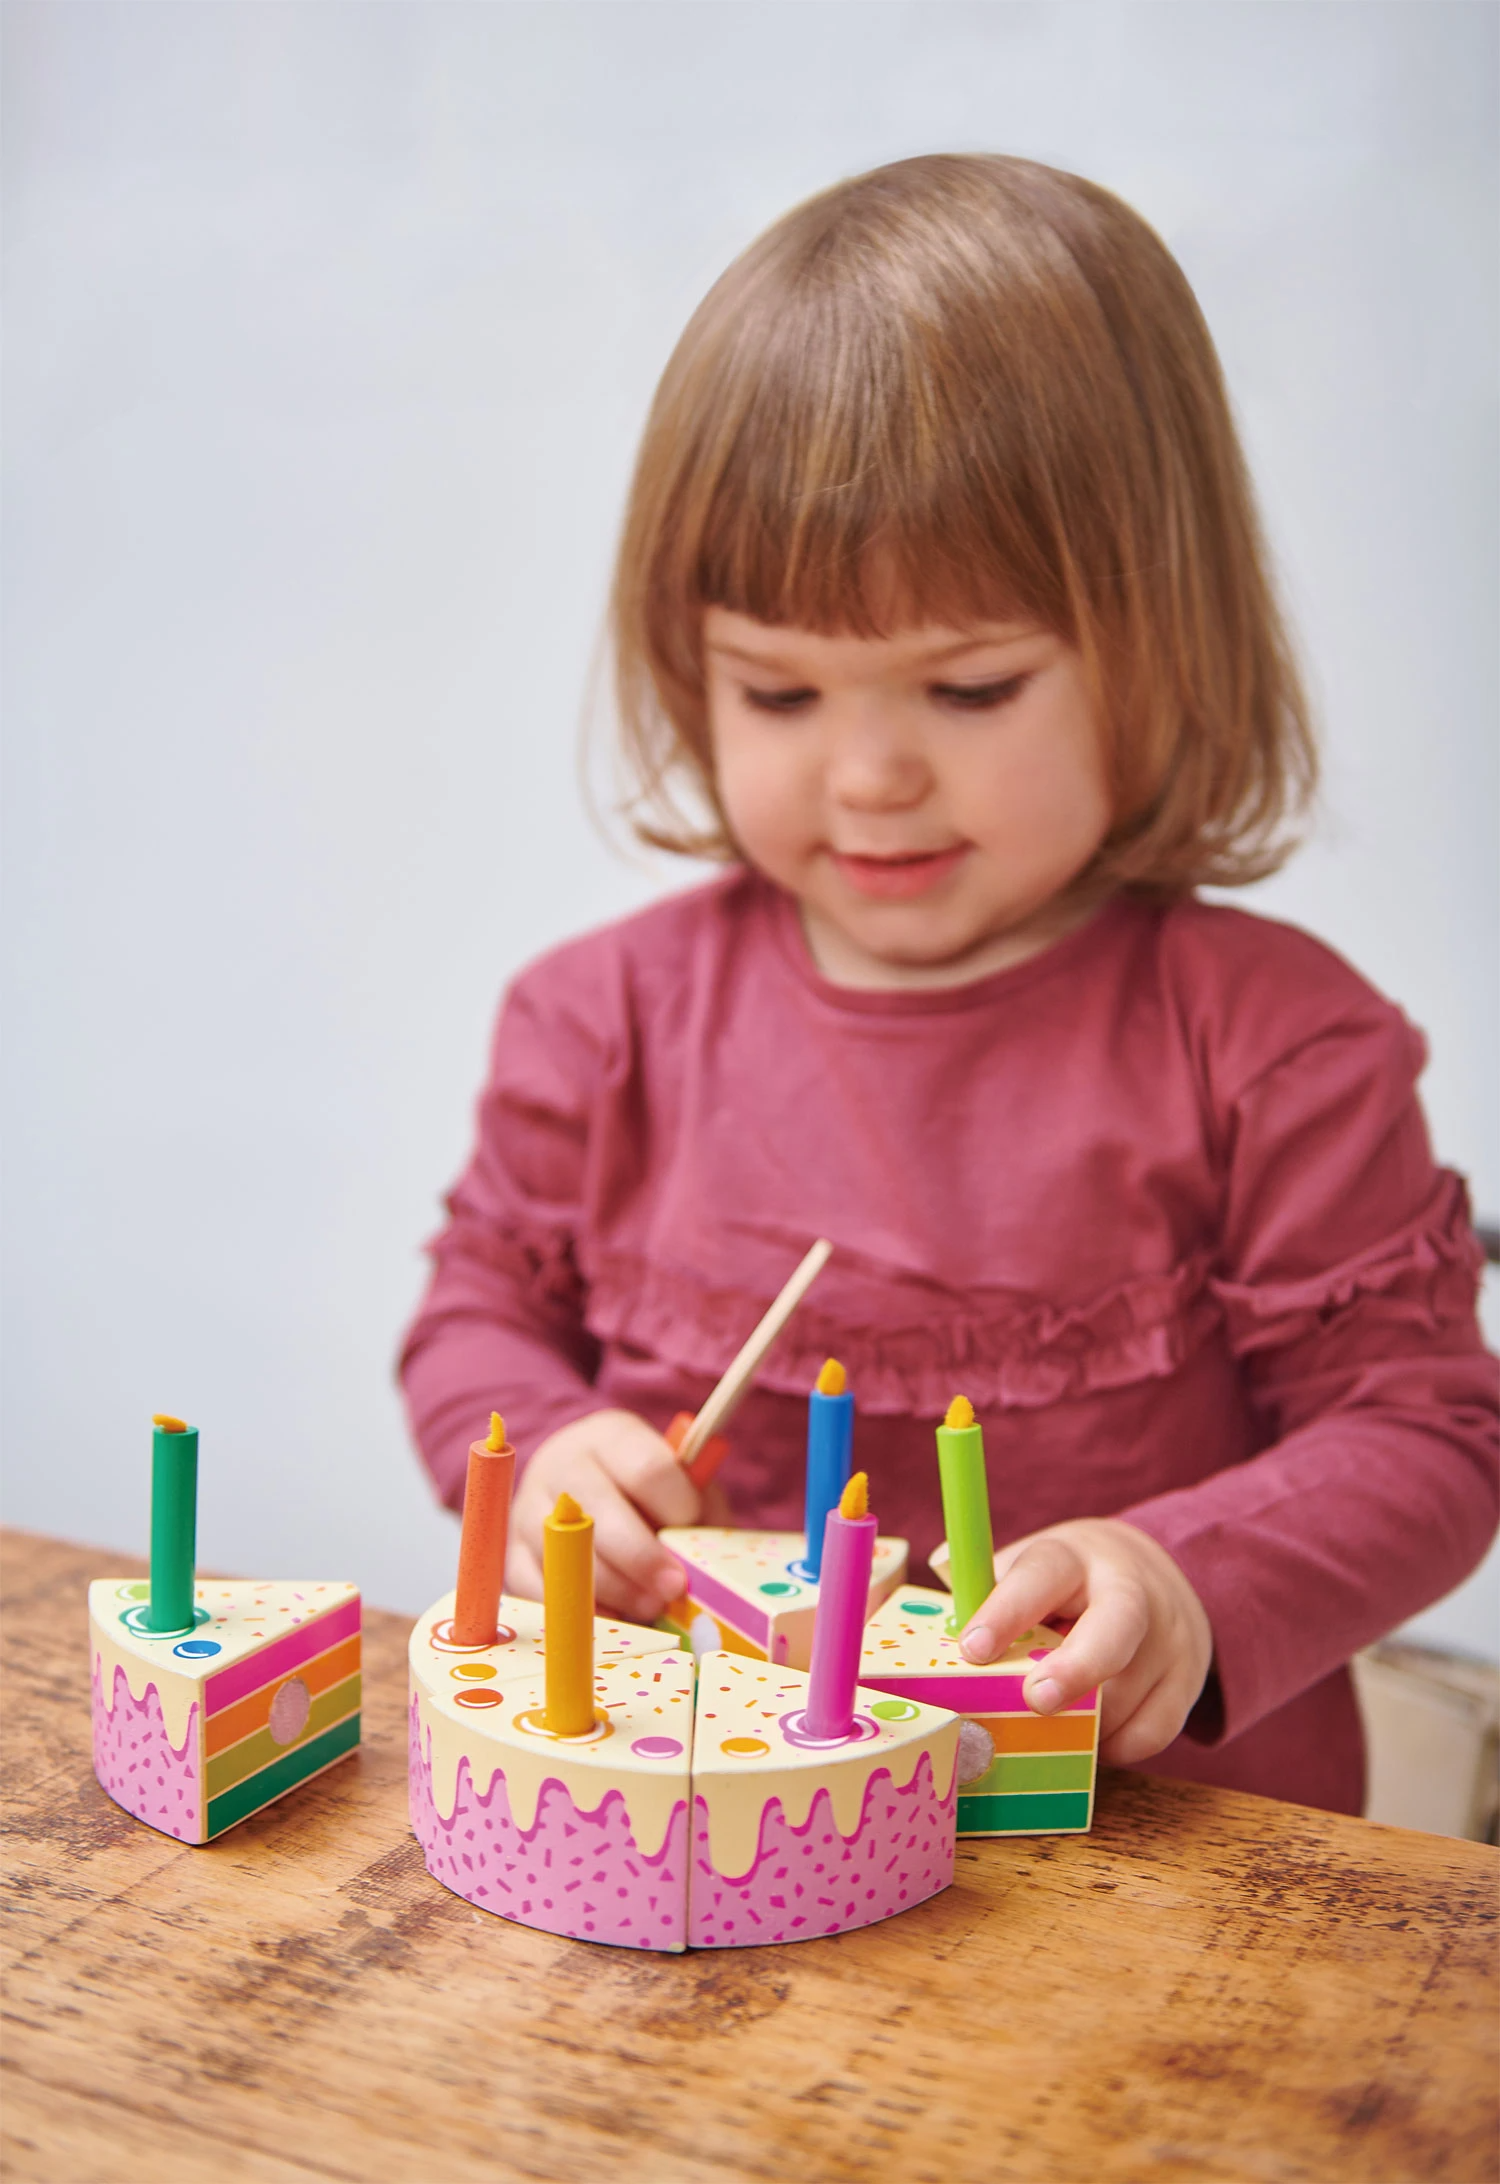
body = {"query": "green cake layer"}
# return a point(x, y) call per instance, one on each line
point(283, 1774)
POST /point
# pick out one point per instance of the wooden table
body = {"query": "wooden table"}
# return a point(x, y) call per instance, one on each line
point(1207, 1987)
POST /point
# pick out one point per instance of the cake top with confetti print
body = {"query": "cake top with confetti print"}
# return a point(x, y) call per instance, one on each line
point(748, 1713)
point(232, 1618)
point(522, 1654)
point(760, 1566)
point(909, 1635)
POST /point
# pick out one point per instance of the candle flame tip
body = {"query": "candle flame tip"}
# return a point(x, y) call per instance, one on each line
point(960, 1413)
point(855, 1499)
point(496, 1440)
point(832, 1379)
point(165, 1423)
point(567, 1511)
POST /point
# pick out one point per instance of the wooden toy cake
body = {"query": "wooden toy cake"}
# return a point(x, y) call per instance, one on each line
point(756, 1593)
point(211, 1700)
point(643, 1799)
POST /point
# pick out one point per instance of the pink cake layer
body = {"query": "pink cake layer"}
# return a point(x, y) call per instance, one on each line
point(137, 1765)
point(813, 1880)
point(302, 1643)
point(964, 1694)
point(574, 1873)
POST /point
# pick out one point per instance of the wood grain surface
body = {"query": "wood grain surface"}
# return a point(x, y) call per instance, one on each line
point(1208, 1987)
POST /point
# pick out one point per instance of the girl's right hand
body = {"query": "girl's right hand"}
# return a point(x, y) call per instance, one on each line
point(622, 1472)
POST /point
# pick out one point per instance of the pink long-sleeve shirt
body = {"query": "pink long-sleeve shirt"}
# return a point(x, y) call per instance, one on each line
point(1159, 1201)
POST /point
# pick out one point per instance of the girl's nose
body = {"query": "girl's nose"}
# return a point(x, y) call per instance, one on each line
point(873, 766)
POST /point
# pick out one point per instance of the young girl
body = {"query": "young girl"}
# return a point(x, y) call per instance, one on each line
point(942, 616)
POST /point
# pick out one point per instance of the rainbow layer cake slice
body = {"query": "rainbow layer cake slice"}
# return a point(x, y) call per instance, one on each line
point(793, 1839)
point(585, 1836)
point(1019, 1773)
point(743, 1591)
point(198, 1728)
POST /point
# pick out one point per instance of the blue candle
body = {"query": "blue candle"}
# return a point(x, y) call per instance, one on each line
point(830, 1444)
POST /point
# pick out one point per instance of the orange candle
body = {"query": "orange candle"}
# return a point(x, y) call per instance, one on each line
point(481, 1551)
point(708, 1458)
point(568, 1595)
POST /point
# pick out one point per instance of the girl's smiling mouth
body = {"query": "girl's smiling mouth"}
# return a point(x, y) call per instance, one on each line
point(900, 876)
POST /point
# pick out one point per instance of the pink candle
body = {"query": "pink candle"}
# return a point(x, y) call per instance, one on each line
point(843, 1601)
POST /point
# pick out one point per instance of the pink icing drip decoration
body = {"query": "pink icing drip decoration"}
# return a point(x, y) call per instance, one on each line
point(136, 1764)
point(814, 1880)
point(571, 1873)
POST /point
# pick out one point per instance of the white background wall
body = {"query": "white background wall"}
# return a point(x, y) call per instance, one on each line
point(328, 332)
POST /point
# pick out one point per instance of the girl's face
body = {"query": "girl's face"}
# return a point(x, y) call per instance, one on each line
point(927, 797)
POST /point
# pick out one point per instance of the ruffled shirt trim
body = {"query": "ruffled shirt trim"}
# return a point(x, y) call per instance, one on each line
point(1424, 1276)
point(1013, 1350)
point(1006, 1349)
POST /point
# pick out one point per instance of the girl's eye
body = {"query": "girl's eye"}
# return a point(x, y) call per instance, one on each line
point(779, 701)
point(980, 697)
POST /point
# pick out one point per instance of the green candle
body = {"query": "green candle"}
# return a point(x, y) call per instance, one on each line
point(174, 1525)
point(966, 1510)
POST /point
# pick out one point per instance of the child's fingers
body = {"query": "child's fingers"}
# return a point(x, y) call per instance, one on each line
point(1102, 1643)
point(1044, 1579)
point(622, 1537)
point(643, 1463)
point(523, 1573)
point(1149, 1720)
point(617, 1593)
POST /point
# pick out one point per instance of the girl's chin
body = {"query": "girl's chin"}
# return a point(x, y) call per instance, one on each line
point(917, 944)
point(887, 948)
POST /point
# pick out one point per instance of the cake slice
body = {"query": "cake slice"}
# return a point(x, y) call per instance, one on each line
point(577, 1836)
point(1019, 1773)
point(197, 1729)
point(742, 1591)
point(791, 1839)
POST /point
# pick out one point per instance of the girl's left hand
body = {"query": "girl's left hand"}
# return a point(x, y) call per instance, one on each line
point(1141, 1630)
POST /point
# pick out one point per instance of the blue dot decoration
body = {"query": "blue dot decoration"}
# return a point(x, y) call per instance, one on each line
point(198, 1649)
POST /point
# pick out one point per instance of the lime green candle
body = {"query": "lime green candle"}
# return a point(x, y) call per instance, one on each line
point(174, 1525)
point(966, 1510)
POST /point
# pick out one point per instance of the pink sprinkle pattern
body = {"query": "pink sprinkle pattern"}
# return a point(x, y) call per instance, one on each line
point(813, 1880)
point(571, 1873)
point(137, 1765)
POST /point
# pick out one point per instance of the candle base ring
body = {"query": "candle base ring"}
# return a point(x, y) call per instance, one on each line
point(794, 1729)
point(443, 1640)
point(134, 1620)
point(534, 1722)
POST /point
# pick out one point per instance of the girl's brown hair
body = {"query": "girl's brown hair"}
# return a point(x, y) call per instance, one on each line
point(961, 389)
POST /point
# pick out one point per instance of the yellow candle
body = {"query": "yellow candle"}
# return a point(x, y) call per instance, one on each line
point(568, 1592)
